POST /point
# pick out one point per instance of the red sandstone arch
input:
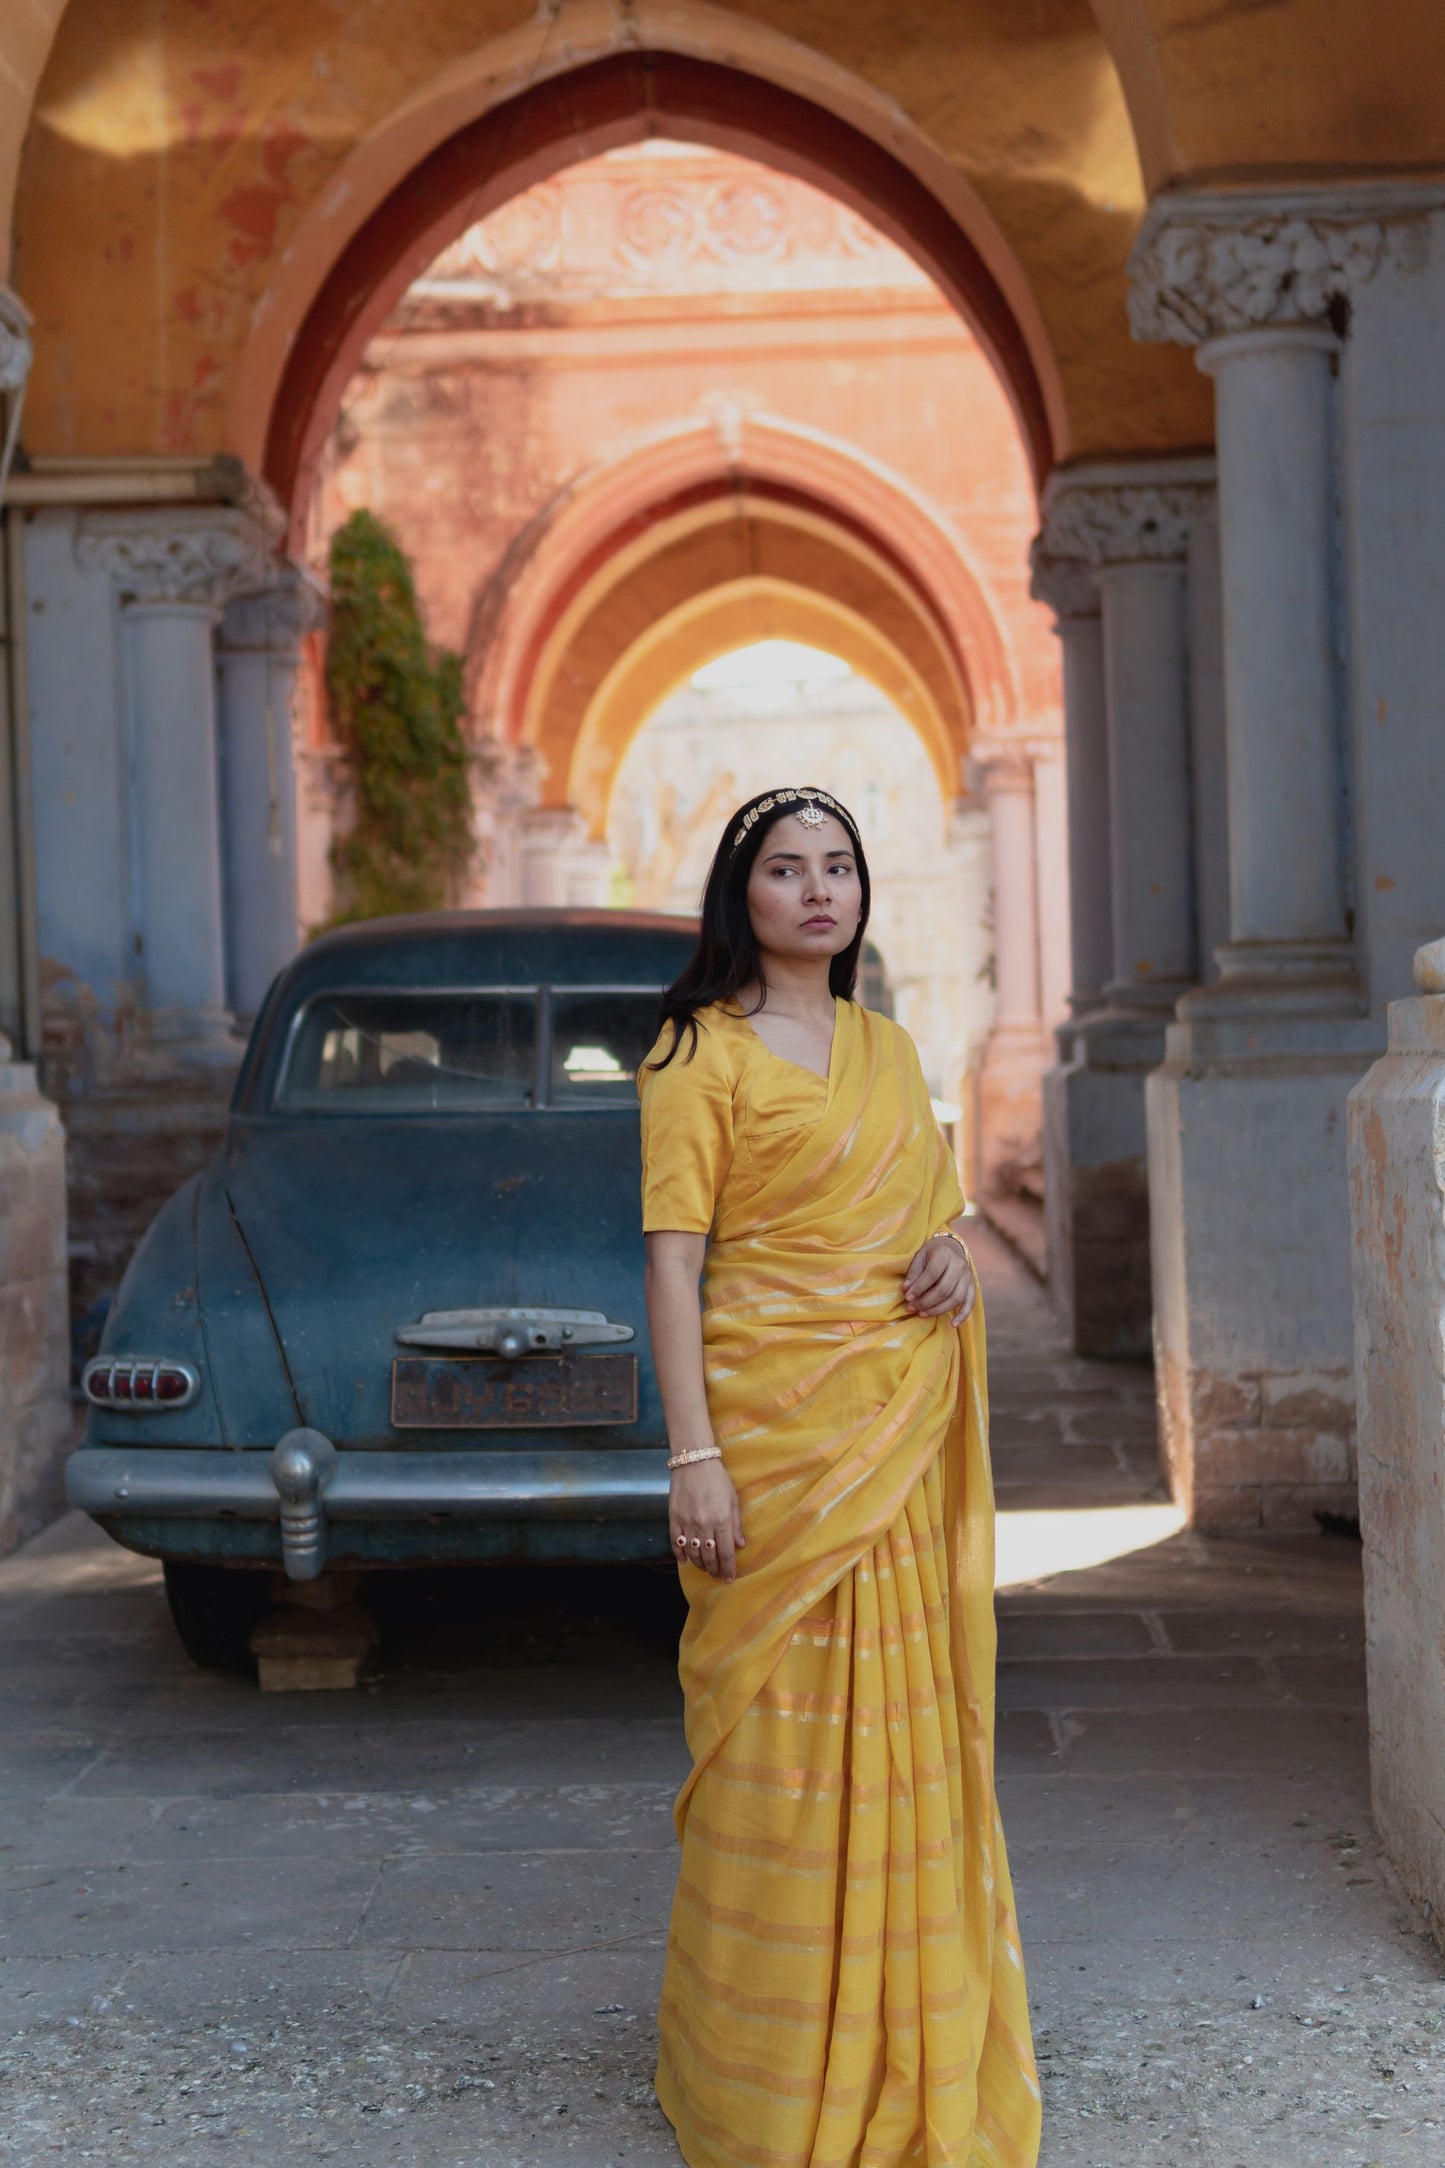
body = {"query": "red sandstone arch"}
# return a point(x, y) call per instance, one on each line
point(621, 98)
point(636, 503)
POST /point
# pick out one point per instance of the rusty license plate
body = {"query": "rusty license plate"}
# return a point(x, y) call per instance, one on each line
point(536, 1392)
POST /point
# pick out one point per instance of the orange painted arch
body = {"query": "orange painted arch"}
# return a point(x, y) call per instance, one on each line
point(626, 97)
point(623, 630)
point(714, 623)
point(546, 633)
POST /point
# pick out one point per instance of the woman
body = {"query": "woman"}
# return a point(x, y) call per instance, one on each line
point(844, 1987)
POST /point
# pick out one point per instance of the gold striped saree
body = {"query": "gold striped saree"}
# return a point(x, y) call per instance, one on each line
point(843, 1987)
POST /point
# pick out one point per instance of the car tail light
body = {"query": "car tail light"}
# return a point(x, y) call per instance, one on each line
point(129, 1381)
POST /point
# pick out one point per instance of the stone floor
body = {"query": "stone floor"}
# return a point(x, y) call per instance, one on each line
point(422, 1923)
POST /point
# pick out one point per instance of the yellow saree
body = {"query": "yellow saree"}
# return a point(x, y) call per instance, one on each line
point(843, 1987)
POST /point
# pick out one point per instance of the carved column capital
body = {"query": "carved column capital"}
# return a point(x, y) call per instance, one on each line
point(1104, 522)
point(514, 777)
point(999, 769)
point(552, 827)
point(16, 347)
point(275, 620)
point(1064, 583)
point(1206, 265)
point(204, 557)
point(16, 355)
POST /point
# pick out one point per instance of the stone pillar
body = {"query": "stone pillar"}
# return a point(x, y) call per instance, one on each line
point(561, 865)
point(1009, 1105)
point(1246, 1115)
point(19, 973)
point(506, 788)
point(1121, 534)
point(176, 570)
point(1072, 594)
point(35, 1411)
point(1286, 902)
point(1207, 751)
point(1051, 857)
point(968, 848)
point(1396, 1130)
point(258, 652)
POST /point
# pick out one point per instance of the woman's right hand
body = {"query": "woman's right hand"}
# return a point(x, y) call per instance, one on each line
point(704, 1518)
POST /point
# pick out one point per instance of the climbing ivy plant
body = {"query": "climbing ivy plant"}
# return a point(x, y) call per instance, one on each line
point(396, 706)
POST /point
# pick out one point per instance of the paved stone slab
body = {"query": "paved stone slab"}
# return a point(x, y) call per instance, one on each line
point(1025, 1635)
point(1275, 1632)
point(166, 1906)
point(1244, 1742)
point(1140, 1682)
point(65, 1832)
point(519, 1900)
point(499, 1817)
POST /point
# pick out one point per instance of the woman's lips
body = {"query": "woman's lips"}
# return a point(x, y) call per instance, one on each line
point(818, 919)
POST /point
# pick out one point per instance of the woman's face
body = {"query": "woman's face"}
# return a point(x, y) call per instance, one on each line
point(804, 895)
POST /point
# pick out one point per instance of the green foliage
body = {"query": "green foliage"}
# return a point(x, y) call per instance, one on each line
point(397, 709)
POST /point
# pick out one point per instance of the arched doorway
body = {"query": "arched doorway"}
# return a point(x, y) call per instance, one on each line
point(293, 391)
point(732, 472)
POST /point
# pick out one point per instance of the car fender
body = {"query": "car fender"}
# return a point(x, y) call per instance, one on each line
point(190, 1294)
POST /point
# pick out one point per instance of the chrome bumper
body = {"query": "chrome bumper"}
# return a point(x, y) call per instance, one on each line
point(305, 1482)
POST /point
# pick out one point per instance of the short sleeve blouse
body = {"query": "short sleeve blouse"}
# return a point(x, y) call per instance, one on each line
point(687, 1133)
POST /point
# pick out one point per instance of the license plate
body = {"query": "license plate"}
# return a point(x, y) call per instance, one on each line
point(536, 1392)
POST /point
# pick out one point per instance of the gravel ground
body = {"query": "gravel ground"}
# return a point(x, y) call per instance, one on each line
point(110, 2088)
point(1349, 2075)
point(1344, 2076)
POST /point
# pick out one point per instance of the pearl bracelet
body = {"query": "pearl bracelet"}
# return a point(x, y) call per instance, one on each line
point(700, 1452)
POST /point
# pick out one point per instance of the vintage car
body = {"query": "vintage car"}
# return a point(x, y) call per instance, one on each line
point(399, 1319)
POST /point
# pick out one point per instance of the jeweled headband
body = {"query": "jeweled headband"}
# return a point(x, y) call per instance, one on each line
point(810, 812)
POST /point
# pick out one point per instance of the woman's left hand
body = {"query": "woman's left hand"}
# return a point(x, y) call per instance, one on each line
point(939, 1280)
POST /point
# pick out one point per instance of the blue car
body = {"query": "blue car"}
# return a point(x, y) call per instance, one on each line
point(399, 1319)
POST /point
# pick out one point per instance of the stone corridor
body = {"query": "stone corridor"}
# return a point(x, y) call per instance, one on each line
point(423, 1923)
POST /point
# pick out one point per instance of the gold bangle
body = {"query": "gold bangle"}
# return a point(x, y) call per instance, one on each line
point(701, 1452)
point(947, 1234)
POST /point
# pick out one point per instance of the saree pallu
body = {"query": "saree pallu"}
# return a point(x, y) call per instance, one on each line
point(844, 1986)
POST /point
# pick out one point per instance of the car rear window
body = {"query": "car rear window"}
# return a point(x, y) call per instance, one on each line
point(598, 1042)
point(485, 1051)
point(412, 1053)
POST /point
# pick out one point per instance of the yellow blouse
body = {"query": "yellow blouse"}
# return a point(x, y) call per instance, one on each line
point(734, 1104)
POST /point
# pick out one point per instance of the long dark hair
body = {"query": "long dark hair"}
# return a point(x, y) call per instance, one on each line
point(726, 958)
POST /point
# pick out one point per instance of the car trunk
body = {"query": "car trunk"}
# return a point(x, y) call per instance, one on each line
point(357, 1228)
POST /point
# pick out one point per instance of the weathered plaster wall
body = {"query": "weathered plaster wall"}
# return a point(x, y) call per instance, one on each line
point(1397, 1186)
point(1323, 86)
point(173, 153)
point(1392, 406)
point(1252, 1321)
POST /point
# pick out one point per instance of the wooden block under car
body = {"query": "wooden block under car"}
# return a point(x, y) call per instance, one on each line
point(301, 1651)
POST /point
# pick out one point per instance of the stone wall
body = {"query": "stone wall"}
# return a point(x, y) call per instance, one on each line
point(34, 1369)
point(1397, 1196)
